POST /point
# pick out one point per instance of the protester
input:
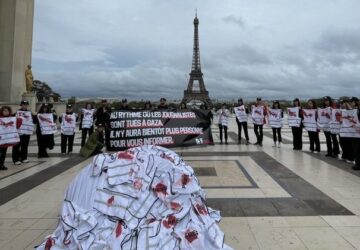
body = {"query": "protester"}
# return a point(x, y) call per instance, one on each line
point(45, 129)
point(356, 135)
point(95, 142)
point(147, 105)
point(310, 124)
point(8, 132)
point(223, 115)
point(68, 124)
point(162, 104)
point(103, 118)
point(335, 125)
point(20, 150)
point(242, 113)
point(345, 140)
point(295, 116)
point(275, 116)
point(87, 118)
point(324, 120)
point(258, 112)
point(124, 104)
point(182, 105)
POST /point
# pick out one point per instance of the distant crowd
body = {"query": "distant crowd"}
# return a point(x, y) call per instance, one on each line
point(338, 121)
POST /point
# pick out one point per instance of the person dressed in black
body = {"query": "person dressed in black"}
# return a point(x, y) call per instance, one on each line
point(182, 105)
point(356, 139)
point(163, 104)
point(346, 141)
point(45, 129)
point(297, 131)
point(86, 125)
point(68, 124)
point(147, 105)
point(332, 143)
point(242, 113)
point(103, 118)
point(124, 104)
point(20, 151)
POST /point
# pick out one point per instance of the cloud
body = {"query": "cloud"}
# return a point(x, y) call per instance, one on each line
point(233, 19)
point(143, 50)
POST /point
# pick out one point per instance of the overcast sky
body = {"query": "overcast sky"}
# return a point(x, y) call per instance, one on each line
point(142, 49)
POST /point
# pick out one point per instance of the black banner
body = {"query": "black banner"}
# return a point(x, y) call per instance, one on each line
point(166, 128)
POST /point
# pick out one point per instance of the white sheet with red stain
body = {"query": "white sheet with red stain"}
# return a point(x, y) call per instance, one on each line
point(142, 198)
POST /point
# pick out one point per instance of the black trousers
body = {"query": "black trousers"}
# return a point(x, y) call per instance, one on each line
point(347, 148)
point(67, 140)
point(332, 143)
point(2, 155)
point(20, 150)
point(221, 127)
point(244, 126)
point(314, 141)
point(42, 145)
point(258, 129)
point(297, 137)
point(277, 134)
point(356, 150)
point(84, 133)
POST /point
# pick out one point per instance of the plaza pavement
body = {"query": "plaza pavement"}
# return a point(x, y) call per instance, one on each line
point(270, 198)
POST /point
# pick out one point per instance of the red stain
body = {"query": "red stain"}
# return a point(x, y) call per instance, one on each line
point(44, 119)
point(137, 184)
point(68, 119)
point(201, 209)
point(110, 201)
point(118, 230)
point(170, 221)
point(125, 155)
point(160, 188)
point(6, 124)
point(49, 243)
point(167, 157)
point(175, 205)
point(185, 179)
point(190, 236)
point(338, 116)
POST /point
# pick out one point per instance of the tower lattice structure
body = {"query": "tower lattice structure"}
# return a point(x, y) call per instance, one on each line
point(196, 91)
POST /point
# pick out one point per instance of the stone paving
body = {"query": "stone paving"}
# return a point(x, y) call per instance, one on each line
point(270, 198)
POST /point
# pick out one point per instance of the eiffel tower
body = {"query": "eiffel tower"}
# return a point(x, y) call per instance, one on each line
point(196, 87)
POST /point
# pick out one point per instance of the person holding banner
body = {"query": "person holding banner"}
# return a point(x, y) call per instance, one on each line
point(275, 116)
point(87, 118)
point(258, 112)
point(68, 125)
point(223, 115)
point(356, 136)
point(8, 132)
point(310, 124)
point(182, 106)
point(147, 105)
point(162, 104)
point(335, 125)
point(295, 122)
point(324, 119)
point(20, 151)
point(241, 112)
point(45, 130)
point(345, 139)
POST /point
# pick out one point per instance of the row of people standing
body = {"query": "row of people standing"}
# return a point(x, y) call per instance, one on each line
point(258, 112)
point(335, 120)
